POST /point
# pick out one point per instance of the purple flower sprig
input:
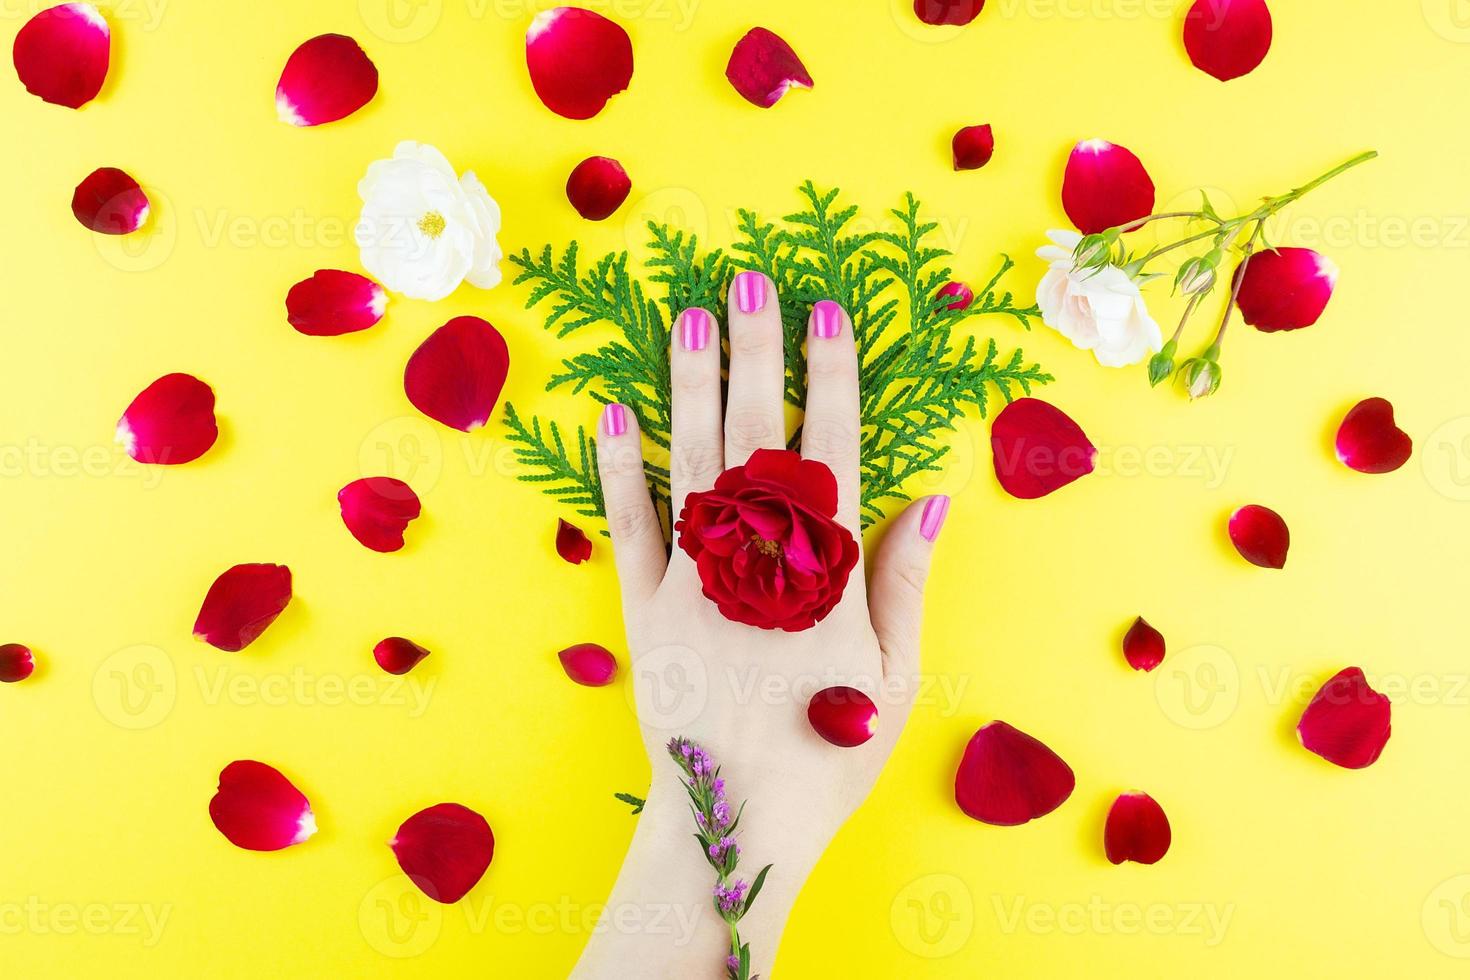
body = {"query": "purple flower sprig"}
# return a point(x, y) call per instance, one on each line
point(715, 828)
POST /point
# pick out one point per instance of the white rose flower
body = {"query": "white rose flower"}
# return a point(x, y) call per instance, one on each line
point(424, 230)
point(1100, 310)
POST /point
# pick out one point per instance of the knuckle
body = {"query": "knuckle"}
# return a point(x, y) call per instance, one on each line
point(619, 460)
point(754, 338)
point(630, 521)
point(693, 459)
point(833, 366)
point(753, 428)
point(830, 437)
point(910, 576)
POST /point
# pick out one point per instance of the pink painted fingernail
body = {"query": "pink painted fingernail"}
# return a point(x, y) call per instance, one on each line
point(935, 511)
point(694, 329)
point(826, 320)
point(750, 292)
point(615, 421)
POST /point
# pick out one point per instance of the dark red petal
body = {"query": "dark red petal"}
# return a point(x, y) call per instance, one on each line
point(763, 68)
point(843, 716)
point(1007, 778)
point(1105, 186)
point(1227, 38)
point(1347, 722)
point(578, 60)
point(111, 202)
point(444, 850)
point(241, 603)
point(1038, 449)
point(170, 422)
point(397, 655)
point(333, 302)
point(1285, 288)
point(1260, 535)
point(597, 187)
point(377, 509)
point(1137, 830)
point(258, 809)
point(1143, 646)
point(62, 54)
point(16, 663)
point(973, 146)
point(572, 543)
point(456, 375)
point(956, 12)
point(1369, 441)
point(589, 664)
point(959, 295)
point(326, 79)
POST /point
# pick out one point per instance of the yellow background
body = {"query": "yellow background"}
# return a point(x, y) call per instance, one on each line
point(112, 749)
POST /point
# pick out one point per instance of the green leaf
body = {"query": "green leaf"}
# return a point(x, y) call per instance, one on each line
point(635, 802)
point(755, 889)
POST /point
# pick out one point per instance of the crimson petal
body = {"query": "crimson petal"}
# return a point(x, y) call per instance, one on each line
point(1143, 646)
point(333, 302)
point(973, 147)
point(259, 809)
point(578, 60)
point(589, 664)
point(1105, 186)
point(1285, 288)
point(1137, 830)
point(1227, 38)
point(111, 202)
point(397, 655)
point(444, 850)
point(597, 187)
point(377, 509)
point(1347, 722)
point(572, 543)
point(170, 422)
point(327, 78)
point(16, 663)
point(954, 12)
point(1260, 535)
point(62, 54)
point(1007, 778)
point(241, 603)
point(1369, 441)
point(843, 716)
point(763, 68)
point(1038, 449)
point(456, 375)
point(960, 296)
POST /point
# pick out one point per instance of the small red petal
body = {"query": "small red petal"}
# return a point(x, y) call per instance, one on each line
point(170, 422)
point(325, 79)
point(589, 664)
point(1038, 449)
point(572, 543)
point(62, 54)
point(1285, 288)
point(397, 655)
point(1143, 646)
point(1347, 722)
point(456, 375)
point(1369, 441)
point(1227, 38)
point(111, 202)
point(333, 302)
point(763, 68)
point(597, 187)
point(377, 509)
point(1007, 778)
point(843, 716)
point(973, 147)
point(960, 295)
point(1137, 830)
point(444, 850)
point(578, 60)
point(955, 12)
point(1105, 186)
point(16, 663)
point(1260, 535)
point(241, 603)
point(258, 809)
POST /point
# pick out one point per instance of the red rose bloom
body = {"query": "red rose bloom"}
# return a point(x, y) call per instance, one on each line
point(768, 550)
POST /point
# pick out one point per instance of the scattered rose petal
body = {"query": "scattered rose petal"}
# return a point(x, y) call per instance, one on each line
point(377, 509)
point(597, 187)
point(170, 422)
point(589, 664)
point(16, 663)
point(444, 850)
point(973, 146)
point(62, 54)
point(578, 60)
point(110, 202)
point(1143, 646)
point(843, 716)
point(1260, 535)
point(1008, 778)
point(333, 302)
point(1369, 441)
point(1137, 830)
point(397, 655)
point(954, 12)
point(258, 809)
point(1105, 186)
point(456, 375)
point(763, 68)
point(572, 543)
point(959, 295)
point(1285, 289)
point(1038, 449)
point(1347, 722)
point(241, 603)
point(326, 79)
point(1227, 38)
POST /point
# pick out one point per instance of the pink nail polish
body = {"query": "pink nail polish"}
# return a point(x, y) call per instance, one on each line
point(750, 292)
point(694, 329)
point(826, 320)
point(935, 511)
point(615, 420)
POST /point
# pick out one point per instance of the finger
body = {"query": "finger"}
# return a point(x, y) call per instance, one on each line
point(830, 431)
point(896, 596)
point(638, 540)
point(755, 417)
point(697, 444)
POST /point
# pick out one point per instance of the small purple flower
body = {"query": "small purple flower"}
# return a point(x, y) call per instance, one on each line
point(722, 813)
point(729, 899)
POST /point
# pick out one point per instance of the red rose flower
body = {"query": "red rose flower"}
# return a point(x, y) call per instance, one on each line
point(768, 550)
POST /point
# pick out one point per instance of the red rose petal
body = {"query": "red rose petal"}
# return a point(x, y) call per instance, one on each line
point(241, 603)
point(110, 202)
point(1227, 38)
point(763, 68)
point(397, 655)
point(955, 12)
point(1369, 441)
point(1143, 646)
point(572, 543)
point(973, 147)
point(170, 422)
point(843, 716)
point(597, 187)
point(1137, 830)
point(444, 850)
point(62, 54)
point(578, 60)
point(456, 375)
point(16, 663)
point(1347, 722)
point(325, 79)
point(589, 664)
point(377, 509)
point(333, 302)
point(1007, 778)
point(1285, 289)
point(959, 295)
point(258, 809)
point(1105, 186)
point(1038, 449)
point(1260, 535)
